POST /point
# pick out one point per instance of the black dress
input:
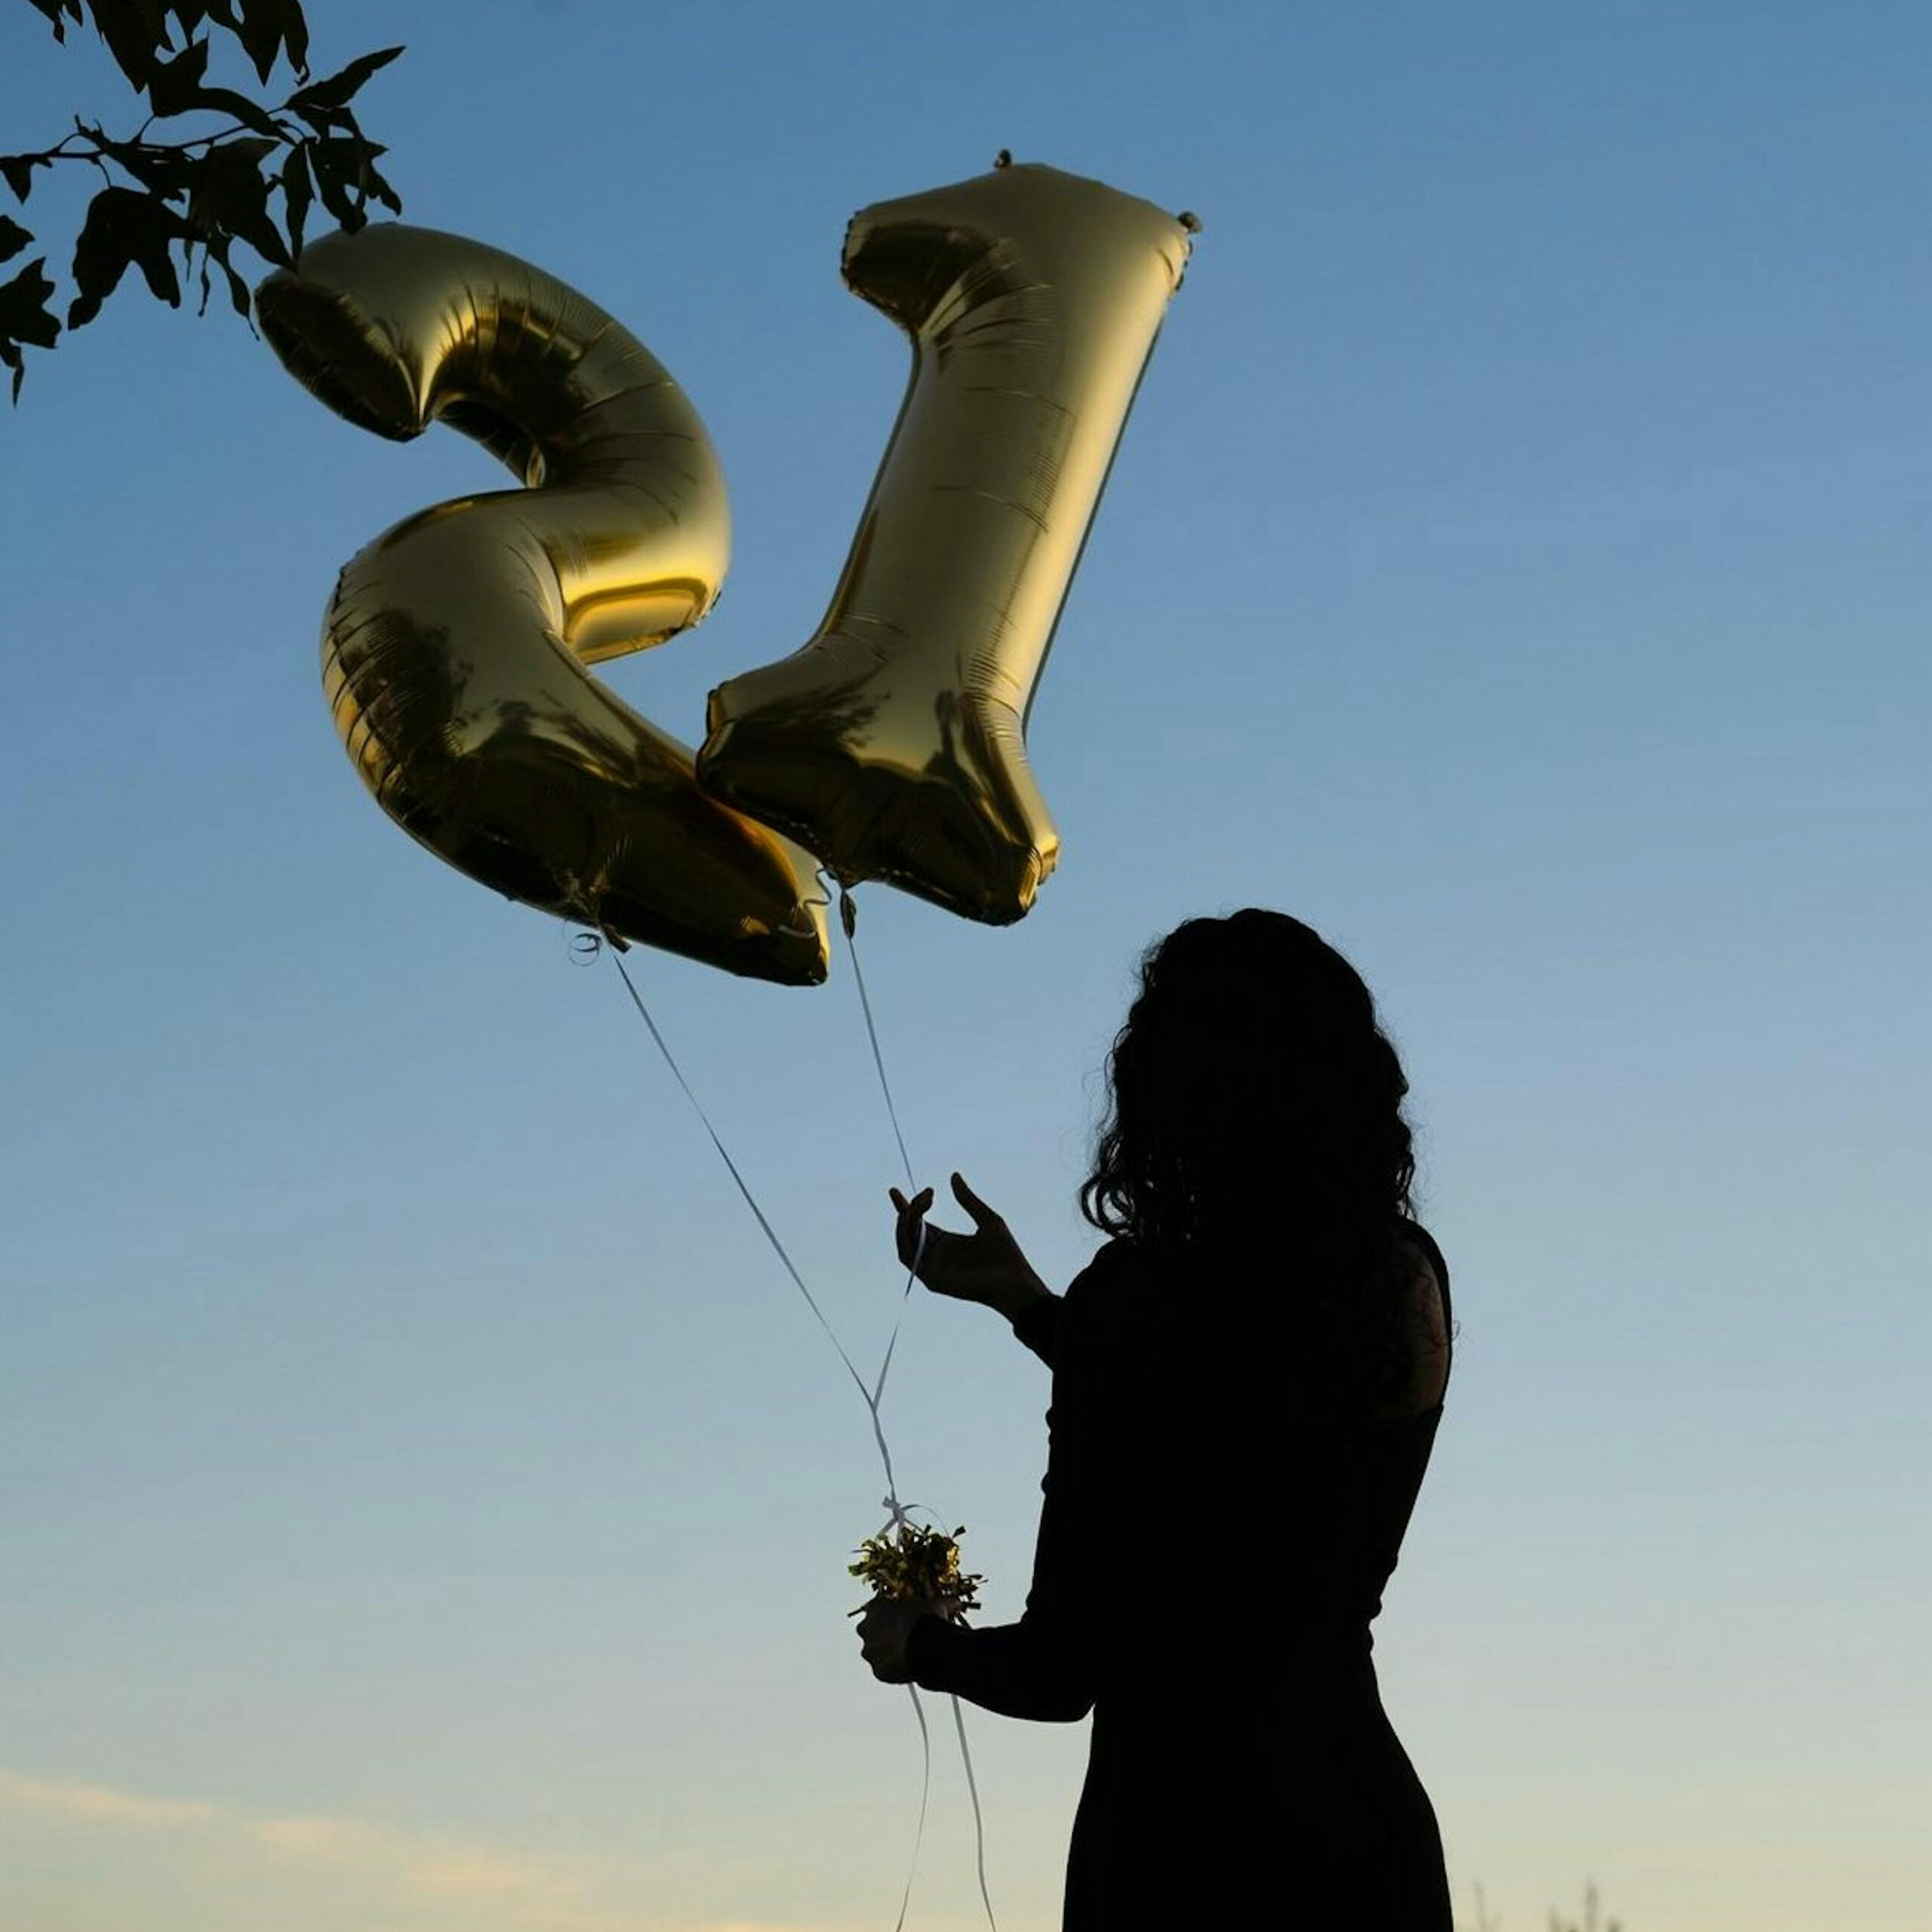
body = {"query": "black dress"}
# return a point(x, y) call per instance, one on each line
point(1241, 1771)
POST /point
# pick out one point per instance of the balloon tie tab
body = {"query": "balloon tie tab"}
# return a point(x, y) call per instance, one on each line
point(583, 901)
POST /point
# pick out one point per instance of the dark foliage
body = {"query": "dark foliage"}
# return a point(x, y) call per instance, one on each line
point(176, 210)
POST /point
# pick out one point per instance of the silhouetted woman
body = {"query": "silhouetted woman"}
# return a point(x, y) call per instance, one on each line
point(1246, 1383)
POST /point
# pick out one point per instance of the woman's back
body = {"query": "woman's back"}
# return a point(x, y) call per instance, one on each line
point(1262, 1736)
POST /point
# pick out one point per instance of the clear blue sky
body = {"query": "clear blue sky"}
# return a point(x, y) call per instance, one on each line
point(425, 1501)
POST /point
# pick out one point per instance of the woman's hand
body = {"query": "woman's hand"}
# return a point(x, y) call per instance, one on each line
point(885, 1624)
point(985, 1266)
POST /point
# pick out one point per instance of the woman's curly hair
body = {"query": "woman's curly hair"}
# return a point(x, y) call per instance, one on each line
point(1256, 1125)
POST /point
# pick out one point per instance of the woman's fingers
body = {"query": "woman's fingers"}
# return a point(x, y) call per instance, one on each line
point(983, 1216)
point(911, 1214)
point(884, 1626)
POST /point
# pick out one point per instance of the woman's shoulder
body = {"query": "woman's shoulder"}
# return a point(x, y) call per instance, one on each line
point(1122, 1299)
point(1117, 1261)
point(1122, 1273)
point(1413, 1236)
point(1430, 1332)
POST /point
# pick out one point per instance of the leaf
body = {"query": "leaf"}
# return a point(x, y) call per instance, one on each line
point(249, 113)
point(375, 188)
point(231, 197)
point(25, 318)
point(337, 163)
point(295, 39)
point(24, 315)
point(132, 43)
point(175, 86)
point(166, 173)
point(124, 226)
point(298, 192)
point(18, 169)
point(238, 291)
point(268, 29)
point(154, 18)
point(338, 90)
point(215, 251)
point(53, 9)
point(12, 239)
point(323, 120)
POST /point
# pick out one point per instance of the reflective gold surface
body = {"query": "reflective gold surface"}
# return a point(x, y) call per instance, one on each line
point(454, 649)
point(894, 742)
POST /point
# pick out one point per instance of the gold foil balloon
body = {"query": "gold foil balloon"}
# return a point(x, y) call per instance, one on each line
point(893, 743)
point(453, 648)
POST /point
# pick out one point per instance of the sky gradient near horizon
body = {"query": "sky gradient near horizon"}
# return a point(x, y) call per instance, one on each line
point(425, 1500)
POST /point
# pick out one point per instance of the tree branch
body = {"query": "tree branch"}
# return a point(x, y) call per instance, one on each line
point(202, 194)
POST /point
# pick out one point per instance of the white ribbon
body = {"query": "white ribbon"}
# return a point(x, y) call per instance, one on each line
point(896, 1518)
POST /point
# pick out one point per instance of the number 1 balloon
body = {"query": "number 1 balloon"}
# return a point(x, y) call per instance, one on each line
point(893, 743)
point(454, 649)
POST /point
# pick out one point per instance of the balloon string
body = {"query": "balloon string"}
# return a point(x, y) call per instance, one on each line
point(848, 918)
point(925, 1791)
point(870, 1397)
point(751, 1201)
point(979, 1823)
